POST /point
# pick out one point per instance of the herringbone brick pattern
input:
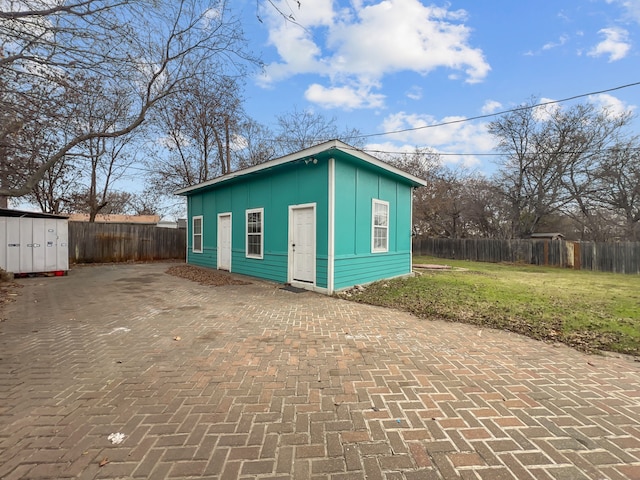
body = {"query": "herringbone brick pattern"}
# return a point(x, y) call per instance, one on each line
point(268, 384)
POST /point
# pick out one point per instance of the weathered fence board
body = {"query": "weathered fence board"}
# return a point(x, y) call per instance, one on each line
point(620, 257)
point(123, 242)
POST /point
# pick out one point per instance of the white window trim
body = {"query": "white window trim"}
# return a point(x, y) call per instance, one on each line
point(246, 232)
point(375, 202)
point(193, 234)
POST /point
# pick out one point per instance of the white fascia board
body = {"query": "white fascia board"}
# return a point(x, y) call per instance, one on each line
point(308, 152)
point(379, 163)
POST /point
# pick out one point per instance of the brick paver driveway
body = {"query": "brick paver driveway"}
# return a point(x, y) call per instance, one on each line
point(265, 383)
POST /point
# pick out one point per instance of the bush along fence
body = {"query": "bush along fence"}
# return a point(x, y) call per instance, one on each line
point(123, 242)
point(619, 257)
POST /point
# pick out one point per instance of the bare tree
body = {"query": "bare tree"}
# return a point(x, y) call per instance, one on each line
point(514, 133)
point(253, 144)
point(148, 202)
point(145, 49)
point(300, 129)
point(198, 128)
point(486, 210)
point(100, 107)
point(437, 207)
point(111, 202)
point(619, 192)
point(54, 193)
point(551, 161)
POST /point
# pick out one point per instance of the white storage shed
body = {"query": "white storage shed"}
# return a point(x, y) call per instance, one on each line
point(33, 242)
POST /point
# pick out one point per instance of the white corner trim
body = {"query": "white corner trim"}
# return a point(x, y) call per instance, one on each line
point(331, 227)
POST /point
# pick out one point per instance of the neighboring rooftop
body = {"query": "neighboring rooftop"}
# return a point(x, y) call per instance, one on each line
point(113, 218)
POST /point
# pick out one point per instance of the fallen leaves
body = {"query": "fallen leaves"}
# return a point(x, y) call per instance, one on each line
point(204, 276)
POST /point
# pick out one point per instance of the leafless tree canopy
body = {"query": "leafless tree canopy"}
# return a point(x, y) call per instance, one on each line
point(300, 129)
point(579, 162)
point(196, 132)
point(129, 54)
point(573, 170)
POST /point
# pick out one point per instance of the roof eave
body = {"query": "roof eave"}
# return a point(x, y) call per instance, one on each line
point(307, 152)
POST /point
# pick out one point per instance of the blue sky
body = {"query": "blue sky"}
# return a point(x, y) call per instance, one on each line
point(388, 65)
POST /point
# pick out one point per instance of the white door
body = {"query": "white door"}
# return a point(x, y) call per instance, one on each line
point(224, 241)
point(302, 221)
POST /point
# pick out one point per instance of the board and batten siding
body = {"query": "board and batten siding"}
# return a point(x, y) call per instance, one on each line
point(274, 191)
point(355, 188)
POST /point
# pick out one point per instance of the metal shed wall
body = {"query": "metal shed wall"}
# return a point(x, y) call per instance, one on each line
point(34, 245)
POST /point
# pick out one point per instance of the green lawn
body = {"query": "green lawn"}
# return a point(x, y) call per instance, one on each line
point(588, 310)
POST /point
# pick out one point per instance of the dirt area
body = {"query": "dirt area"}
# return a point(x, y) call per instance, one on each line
point(204, 276)
point(430, 266)
point(7, 294)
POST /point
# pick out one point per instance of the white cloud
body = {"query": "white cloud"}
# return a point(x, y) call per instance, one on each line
point(490, 106)
point(615, 44)
point(631, 7)
point(544, 112)
point(397, 35)
point(611, 104)
point(459, 137)
point(360, 44)
point(561, 41)
point(414, 93)
point(345, 97)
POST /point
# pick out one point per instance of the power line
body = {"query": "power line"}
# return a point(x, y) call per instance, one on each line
point(488, 154)
point(489, 115)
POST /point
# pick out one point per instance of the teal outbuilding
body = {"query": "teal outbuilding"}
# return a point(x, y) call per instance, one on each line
point(325, 218)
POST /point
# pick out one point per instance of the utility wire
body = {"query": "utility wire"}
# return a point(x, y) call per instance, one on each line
point(489, 115)
point(486, 154)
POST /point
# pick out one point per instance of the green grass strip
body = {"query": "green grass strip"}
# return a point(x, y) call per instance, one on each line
point(590, 311)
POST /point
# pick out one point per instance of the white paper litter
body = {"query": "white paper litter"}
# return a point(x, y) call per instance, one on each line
point(116, 438)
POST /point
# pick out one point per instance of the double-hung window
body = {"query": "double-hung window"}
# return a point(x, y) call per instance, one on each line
point(255, 232)
point(380, 226)
point(196, 234)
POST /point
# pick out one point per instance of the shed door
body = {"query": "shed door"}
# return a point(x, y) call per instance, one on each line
point(14, 248)
point(26, 245)
point(302, 244)
point(224, 241)
point(50, 247)
point(39, 242)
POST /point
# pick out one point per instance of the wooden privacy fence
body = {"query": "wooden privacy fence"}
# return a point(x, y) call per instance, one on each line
point(124, 242)
point(619, 257)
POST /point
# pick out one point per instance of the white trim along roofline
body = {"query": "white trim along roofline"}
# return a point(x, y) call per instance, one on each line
point(308, 152)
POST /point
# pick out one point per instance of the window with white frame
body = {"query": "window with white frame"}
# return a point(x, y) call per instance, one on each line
point(255, 230)
point(380, 226)
point(196, 234)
